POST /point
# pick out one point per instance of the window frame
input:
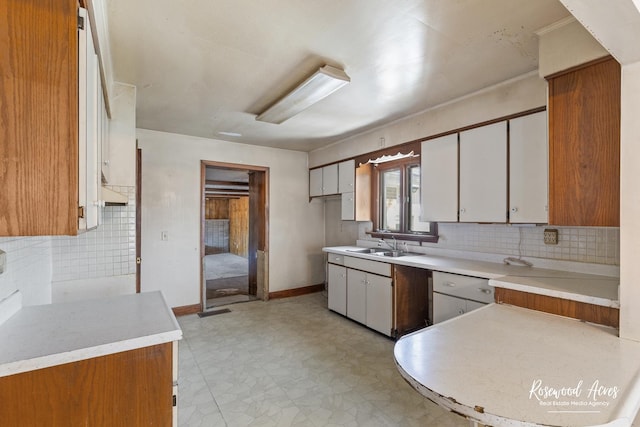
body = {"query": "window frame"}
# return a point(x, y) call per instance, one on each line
point(404, 233)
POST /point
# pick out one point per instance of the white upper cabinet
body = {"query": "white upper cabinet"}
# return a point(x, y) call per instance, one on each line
point(330, 179)
point(323, 181)
point(483, 174)
point(439, 171)
point(346, 176)
point(315, 182)
point(528, 169)
point(89, 132)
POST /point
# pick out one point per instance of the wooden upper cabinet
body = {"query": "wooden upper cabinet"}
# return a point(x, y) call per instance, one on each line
point(584, 145)
point(38, 117)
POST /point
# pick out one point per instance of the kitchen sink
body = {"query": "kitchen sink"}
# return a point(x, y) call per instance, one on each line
point(382, 252)
point(374, 251)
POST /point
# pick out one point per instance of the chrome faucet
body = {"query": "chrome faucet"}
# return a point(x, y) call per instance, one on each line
point(393, 247)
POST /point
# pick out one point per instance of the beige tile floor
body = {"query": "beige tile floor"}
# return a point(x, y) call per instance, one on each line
point(291, 362)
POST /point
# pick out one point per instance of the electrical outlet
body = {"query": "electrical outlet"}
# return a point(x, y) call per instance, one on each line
point(550, 236)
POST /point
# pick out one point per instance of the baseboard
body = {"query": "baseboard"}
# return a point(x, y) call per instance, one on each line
point(297, 291)
point(186, 309)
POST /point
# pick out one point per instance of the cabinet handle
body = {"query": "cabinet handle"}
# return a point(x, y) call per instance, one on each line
point(462, 210)
point(460, 311)
point(450, 284)
point(337, 258)
point(514, 209)
point(484, 291)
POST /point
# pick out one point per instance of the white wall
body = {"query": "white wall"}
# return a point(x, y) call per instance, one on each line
point(171, 202)
point(122, 135)
point(565, 45)
point(630, 203)
point(513, 96)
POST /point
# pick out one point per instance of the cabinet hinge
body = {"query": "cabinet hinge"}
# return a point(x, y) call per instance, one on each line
point(175, 400)
point(80, 22)
point(80, 211)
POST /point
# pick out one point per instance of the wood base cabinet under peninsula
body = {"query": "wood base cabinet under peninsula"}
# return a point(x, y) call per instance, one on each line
point(130, 388)
point(584, 145)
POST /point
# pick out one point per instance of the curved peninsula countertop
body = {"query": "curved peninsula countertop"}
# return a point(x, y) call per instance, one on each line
point(502, 365)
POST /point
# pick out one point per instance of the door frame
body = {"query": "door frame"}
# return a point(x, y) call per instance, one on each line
point(138, 215)
point(260, 226)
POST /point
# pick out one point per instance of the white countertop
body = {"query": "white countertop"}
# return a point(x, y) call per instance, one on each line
point(587, 288)
point(494, 364)
point(41, 336)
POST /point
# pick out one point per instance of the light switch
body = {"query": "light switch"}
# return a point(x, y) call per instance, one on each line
point(164, 235)
point(3, 261)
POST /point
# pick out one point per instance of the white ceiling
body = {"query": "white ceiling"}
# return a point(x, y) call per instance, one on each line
point(208, 66)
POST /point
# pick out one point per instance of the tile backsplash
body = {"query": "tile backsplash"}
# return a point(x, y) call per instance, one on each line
point(108, 250)
point(596, 245)
point(28, 268)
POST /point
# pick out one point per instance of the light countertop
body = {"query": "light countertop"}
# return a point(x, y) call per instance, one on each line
point(504, 365)
point(41, 336)
point(587, 288)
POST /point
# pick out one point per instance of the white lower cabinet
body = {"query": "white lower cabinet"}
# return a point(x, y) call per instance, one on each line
point(446, 307)
point(337, 289)
point(455, 294)
point(357, 295)
point(369, 300)
point(379, 304)
point(361, 290)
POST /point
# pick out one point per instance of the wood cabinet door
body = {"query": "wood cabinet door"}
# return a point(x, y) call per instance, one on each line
point(357, 295)
point(346, 176)
point(439, 179)
point(379, 304)
point(483, 174)
point(39, 110)
point(584, 146)
point(528, 171)
point(315, 182)
point(337, 288)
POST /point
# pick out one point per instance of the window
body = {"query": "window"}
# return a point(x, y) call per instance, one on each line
point(399, 202)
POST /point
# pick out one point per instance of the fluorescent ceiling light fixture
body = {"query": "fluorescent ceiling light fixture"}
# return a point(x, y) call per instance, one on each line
point(225, 133)
point(321, 84)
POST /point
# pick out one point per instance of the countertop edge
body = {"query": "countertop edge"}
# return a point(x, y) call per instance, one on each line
point(47, 361)
point(587, 299)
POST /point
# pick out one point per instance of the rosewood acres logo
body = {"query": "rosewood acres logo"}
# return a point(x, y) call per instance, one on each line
point(579, 398)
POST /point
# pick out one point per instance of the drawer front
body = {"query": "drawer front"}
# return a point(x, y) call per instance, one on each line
point(380, 268)
point(473, 288)
point(335, 259)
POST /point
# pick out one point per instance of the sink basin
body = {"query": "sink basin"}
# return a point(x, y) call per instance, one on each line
point(394, 254)
point(375, 251)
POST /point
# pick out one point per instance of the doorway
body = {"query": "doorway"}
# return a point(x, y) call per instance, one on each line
point(233, 233)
